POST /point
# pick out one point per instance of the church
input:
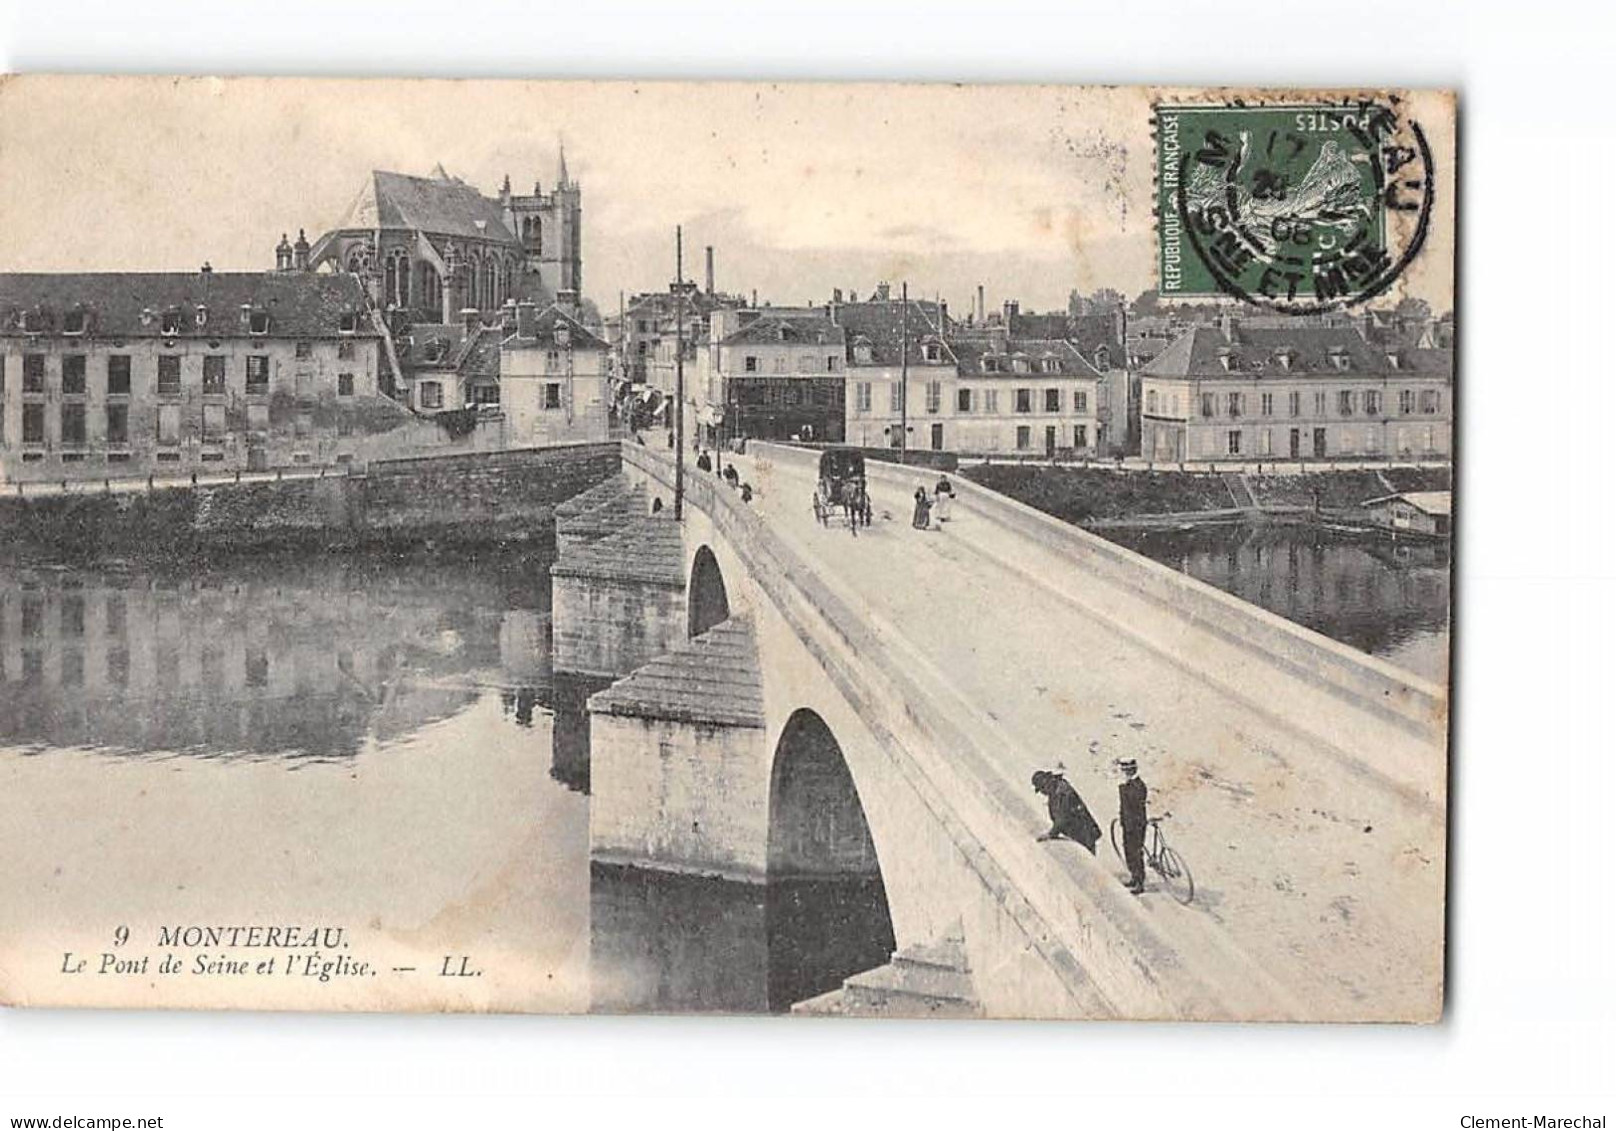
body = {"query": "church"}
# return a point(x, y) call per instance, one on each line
point(430, 247)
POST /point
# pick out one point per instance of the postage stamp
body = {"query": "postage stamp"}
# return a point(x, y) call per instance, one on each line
point(1301, 207)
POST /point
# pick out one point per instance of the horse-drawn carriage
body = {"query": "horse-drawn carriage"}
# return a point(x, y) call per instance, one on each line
point(842, 488)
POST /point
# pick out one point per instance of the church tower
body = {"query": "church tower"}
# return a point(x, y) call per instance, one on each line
point(549, 227)
point(568, 209)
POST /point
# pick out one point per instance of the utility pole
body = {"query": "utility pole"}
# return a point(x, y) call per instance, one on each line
point(679, 373)
point(903, 382)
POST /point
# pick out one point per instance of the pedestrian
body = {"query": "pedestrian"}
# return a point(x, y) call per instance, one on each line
point(731, 476)
point(704, 462)
point(945, 500)
point(746, 492)
point(1131, 798)
point(656, 505)
point(922, 509)
point(1068, 816)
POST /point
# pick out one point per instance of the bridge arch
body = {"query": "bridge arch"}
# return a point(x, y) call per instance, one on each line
point(826, 913)
point(708, 599)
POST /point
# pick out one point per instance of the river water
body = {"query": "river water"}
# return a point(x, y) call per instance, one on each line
point(1388, 599)
point(370, 742)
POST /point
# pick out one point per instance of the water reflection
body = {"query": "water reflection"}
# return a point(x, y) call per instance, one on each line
point(1387, 599)
point(262, 658)
point(431, 679)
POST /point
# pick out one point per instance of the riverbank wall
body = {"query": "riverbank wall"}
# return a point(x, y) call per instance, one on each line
point(494, 498)
point(1100, 497)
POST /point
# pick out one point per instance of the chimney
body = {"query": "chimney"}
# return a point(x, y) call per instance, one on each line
point(207, 268)
point(981, 304)
point(754, 298)
point(709, 268)
point(283, 254)
point(883, 292)
point(942, 315)
point(1011, 309)
point(527, 320)
point(470, 319)
point(1230, 325)
point(300, 252)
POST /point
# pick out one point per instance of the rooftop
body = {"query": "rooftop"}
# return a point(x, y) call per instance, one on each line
point(440, 204)
point(209, 303)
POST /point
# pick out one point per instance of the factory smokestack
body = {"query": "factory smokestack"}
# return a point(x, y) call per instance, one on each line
point(709, 268)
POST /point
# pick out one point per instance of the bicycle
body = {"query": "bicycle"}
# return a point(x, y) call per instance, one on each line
point(1168, 864)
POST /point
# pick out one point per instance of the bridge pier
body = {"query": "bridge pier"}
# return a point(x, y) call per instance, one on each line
point(619, 602)
point(680, 763)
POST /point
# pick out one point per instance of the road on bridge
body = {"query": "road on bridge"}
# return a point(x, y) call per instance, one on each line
point(1322, 877)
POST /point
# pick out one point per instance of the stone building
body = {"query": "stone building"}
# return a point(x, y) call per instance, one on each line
point(1305, 393)
point(555, 376)
point(118, 375)
point(430, 247)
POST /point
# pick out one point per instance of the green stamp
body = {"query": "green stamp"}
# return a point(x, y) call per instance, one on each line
point(1299, 207)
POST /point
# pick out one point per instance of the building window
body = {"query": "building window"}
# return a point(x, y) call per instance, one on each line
point(1405, 401)
point(118, 375)
point(1051, 365)
point(990, 401)
point(33, 373)
point(73, 375)
point(431, 394)
point(895, 396)
point(750, 365)
point(552, 394)
point(1023, 437)
point(1339, 359)
point(780, 365)
point(861, 397)
point(1265, 442)
point(1023, 400)
point(1430, 401)
point(345, 351)
point(990, 365)
point(1234, 441)
point(1209, 406)
point(168, 375)
point(1344, 402)
point(1296, 404)
point(73, 322)
point(932, 351)
point(345, 386)
point(1052, 399)
point(1321, 404)
point(1080, 401)
point(168, 424)
point(258, 322)
point(1371, 402)
point(1268, 404)
point(117, 424)
point(934, 397)
point(962, 401)
point(831, 361)
point(1102, 359)
point(482, 394)
point(171, 323)
point(213, 375)
point(1235, 405)
point(1150, 401)
point(33, 424)
point(349, 323)
point(213, 422)
point(305, 349)
point(1080, 436)
point(257, 374)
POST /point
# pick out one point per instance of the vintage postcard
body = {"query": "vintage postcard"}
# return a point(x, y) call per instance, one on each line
point(838, 550)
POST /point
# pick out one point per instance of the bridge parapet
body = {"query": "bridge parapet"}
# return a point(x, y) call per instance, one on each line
point(1107, 956)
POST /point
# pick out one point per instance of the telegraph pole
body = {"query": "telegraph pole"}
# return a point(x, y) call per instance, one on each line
point(903, 383)
point(679, 373)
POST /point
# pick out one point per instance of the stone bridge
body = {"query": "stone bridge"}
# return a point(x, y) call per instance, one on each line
point(775, 700)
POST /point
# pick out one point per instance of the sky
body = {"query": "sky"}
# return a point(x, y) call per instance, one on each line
point(1029, 191)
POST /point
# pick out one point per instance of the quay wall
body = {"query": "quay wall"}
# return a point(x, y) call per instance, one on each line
point(494, 497)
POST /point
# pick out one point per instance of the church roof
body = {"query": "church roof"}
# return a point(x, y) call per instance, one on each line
point(439, 204)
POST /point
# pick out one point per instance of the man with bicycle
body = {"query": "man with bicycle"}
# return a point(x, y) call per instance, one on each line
point(1131, 797)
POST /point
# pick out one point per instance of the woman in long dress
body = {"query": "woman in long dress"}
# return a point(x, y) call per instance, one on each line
point(922, 509)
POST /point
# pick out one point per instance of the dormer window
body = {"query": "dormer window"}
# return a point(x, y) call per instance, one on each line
point(1102, 358)
point(1394, 360)
point(563, 336)
point(172, 320)
point(1228, 360)
point(73, 322)
point(932, 351)
point(990, 364)
point(1339, 359)
point(1283, 357)
point(201, 316)
point(1052, 365)
point(258, 322)
point(348, 324)
point(1021, 365)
